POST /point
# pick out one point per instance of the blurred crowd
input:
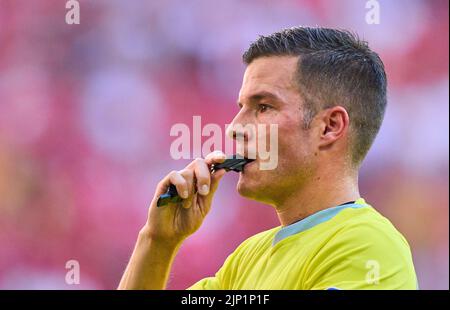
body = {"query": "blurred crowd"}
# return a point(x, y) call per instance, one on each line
point(86, 112)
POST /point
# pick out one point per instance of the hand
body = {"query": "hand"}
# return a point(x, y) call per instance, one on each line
point(173, 223)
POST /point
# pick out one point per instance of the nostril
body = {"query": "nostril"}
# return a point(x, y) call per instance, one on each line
point(238, 135)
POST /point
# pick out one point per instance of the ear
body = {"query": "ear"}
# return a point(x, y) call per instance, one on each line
point(334, 125)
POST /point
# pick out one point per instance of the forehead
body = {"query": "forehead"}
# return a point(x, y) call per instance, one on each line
point(275, 74)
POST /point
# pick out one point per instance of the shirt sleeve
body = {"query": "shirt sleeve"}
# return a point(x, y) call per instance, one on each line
point(222, 279)
point(210, 283)
point(363, 257)
point(226, 276)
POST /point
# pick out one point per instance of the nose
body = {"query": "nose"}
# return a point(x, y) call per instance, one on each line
point(239, 128)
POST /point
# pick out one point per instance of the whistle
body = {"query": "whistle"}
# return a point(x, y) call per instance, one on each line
point(234, 163)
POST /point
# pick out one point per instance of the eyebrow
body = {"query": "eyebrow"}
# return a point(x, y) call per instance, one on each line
point(260, 96)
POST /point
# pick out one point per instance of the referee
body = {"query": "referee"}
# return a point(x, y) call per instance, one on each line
point(326, 91)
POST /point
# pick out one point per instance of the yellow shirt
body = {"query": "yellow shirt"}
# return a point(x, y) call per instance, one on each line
point(350, 246)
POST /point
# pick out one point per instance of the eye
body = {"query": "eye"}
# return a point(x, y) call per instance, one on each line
point(263, 108)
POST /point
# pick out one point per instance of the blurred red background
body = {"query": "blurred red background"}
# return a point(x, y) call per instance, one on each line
point(86, 111)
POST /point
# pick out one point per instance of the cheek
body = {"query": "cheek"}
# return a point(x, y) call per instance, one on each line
point(291, 137)
point(292, 144)
point(295, 148)
point(288, 127)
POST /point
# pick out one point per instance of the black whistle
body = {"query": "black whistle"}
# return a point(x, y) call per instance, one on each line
point(233, 163)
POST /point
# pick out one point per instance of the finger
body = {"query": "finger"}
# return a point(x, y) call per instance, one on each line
point(172, 178)
point(163, 185)
point(215, 179)
point(215, 157)
point(203, 176)
point(180, 183)
point(188, 175)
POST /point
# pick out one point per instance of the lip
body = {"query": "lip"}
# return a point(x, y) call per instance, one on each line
point(248, 165)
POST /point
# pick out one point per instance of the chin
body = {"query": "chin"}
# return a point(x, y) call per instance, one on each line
point(250, 188)
point(244, 189)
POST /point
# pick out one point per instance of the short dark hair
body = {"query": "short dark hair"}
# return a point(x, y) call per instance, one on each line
point(335, 67)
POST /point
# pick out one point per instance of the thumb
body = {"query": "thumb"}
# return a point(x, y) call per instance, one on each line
point(215, 179)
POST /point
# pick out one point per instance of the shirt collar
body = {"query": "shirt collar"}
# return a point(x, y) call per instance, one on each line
point(315, 219)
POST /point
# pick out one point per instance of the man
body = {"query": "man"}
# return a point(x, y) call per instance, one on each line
point(326, 91)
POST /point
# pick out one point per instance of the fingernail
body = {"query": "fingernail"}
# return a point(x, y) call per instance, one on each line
point(185, 194)
point(204, 190)
point(220, 157)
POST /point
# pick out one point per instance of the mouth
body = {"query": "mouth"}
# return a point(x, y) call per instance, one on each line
point(250, 162)
point(232, 163)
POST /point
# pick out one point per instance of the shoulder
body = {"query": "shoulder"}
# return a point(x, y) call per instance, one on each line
point(367, 226)
point(363, 250)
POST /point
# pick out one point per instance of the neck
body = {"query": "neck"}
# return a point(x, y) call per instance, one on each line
point(323, 192)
